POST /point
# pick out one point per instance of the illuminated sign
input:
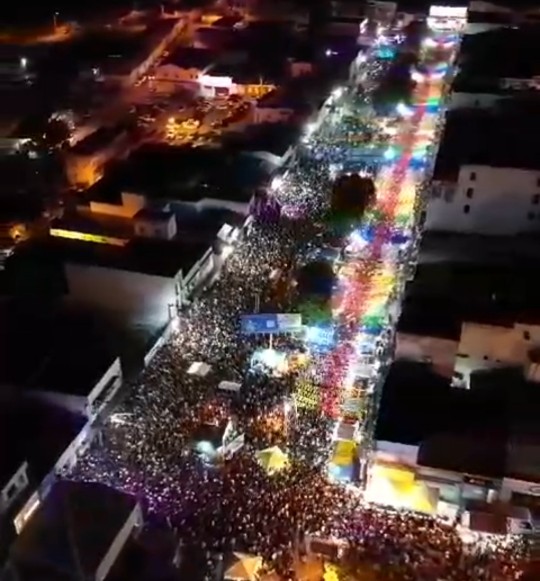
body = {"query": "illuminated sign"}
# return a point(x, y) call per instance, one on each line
point(216, 82)
point(448, 11)
point(85, 237)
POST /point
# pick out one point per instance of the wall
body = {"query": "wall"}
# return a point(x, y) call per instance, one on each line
point(272, 114)
point(441, 353)
point(174, 74)
point(467, 100)
point(488, 200)
point(299, 68)
point(137, 297)
point(131, 204)
point(134, 522)
point(497, 345)
point(105, 388)
point(479, 27)
point(14, 487)
point(396, 453)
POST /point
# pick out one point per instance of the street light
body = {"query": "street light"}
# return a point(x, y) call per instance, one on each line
point(55, 20)
point(24, 62)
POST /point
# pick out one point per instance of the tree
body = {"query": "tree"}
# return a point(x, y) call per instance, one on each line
point(315, 310)
point(350, 197)
point(315, 278)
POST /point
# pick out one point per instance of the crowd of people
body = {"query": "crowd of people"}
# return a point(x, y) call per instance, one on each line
point(149, 450)
point(408, 546)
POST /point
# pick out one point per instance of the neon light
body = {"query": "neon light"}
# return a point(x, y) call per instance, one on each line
point(85, 237)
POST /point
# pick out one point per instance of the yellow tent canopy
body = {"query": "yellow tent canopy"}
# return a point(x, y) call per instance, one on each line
point(272, 459)
point(344, 453)
point(246, 568)
point(397, 486)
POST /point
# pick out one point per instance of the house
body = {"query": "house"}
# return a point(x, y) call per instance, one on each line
point(65, 361)
point(185, 65)
point(444, 438)
point(76, 532)
point(486, 178)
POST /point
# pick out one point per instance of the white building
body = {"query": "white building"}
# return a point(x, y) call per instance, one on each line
point(486, 178)
point(487, 200)
point(144, 282)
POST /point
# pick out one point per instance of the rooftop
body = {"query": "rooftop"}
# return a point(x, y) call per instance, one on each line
point(189, 57)
point(73, 529)
point(274, 138)
point(508, 52)
point(251, 72)
point(482, 137)
point(153, 257)
point(99, 139)
point(182, 174)
point(436, 304)
point(114, 50)
point(33, 432)
point(487, 430)
point(52, 349)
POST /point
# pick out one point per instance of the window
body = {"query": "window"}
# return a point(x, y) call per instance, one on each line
point(536, 199)
point(469, 193)
point(538, 182)
point(530, 216)
point(473, 176)
point(526, 335)
point(466, 209)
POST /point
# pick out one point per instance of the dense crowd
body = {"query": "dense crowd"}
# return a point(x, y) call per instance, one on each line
point(149, 448)
point(408, 546)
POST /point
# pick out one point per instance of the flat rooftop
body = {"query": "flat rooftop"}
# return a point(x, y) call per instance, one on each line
point(34, 432)
point(166, 258)
point(190, 57)
point(73, 529)
point(183, 174)
point(99, 139)
point(487, 430)
point(273, 138)
point(48, 348)
point(482, 137)
point(508, 52)
point(114, 50)
point(442, 296)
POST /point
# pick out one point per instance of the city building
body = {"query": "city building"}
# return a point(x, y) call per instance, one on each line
point(273, 143)
point(62, 357)
point(483, 16)
point(76, 532)
point(486, 178)
point(144, 282)
point(34, 438)
point(184, 66)
point(493, 325)
point(86, 160)
point(242, 78)
point(122, 53)
point(496, 65)
point(464, 446)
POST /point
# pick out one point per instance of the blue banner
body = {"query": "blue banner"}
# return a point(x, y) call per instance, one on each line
point(266, 324)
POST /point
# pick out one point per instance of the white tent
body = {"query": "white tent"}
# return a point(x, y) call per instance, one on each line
point(229, 386)
point(245, 568)
point(199, 368)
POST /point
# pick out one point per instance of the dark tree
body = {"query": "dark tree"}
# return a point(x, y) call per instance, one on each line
point(351, 195)
point(316, 279)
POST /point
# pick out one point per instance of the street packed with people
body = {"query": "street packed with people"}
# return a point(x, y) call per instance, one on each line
point(262, 485)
